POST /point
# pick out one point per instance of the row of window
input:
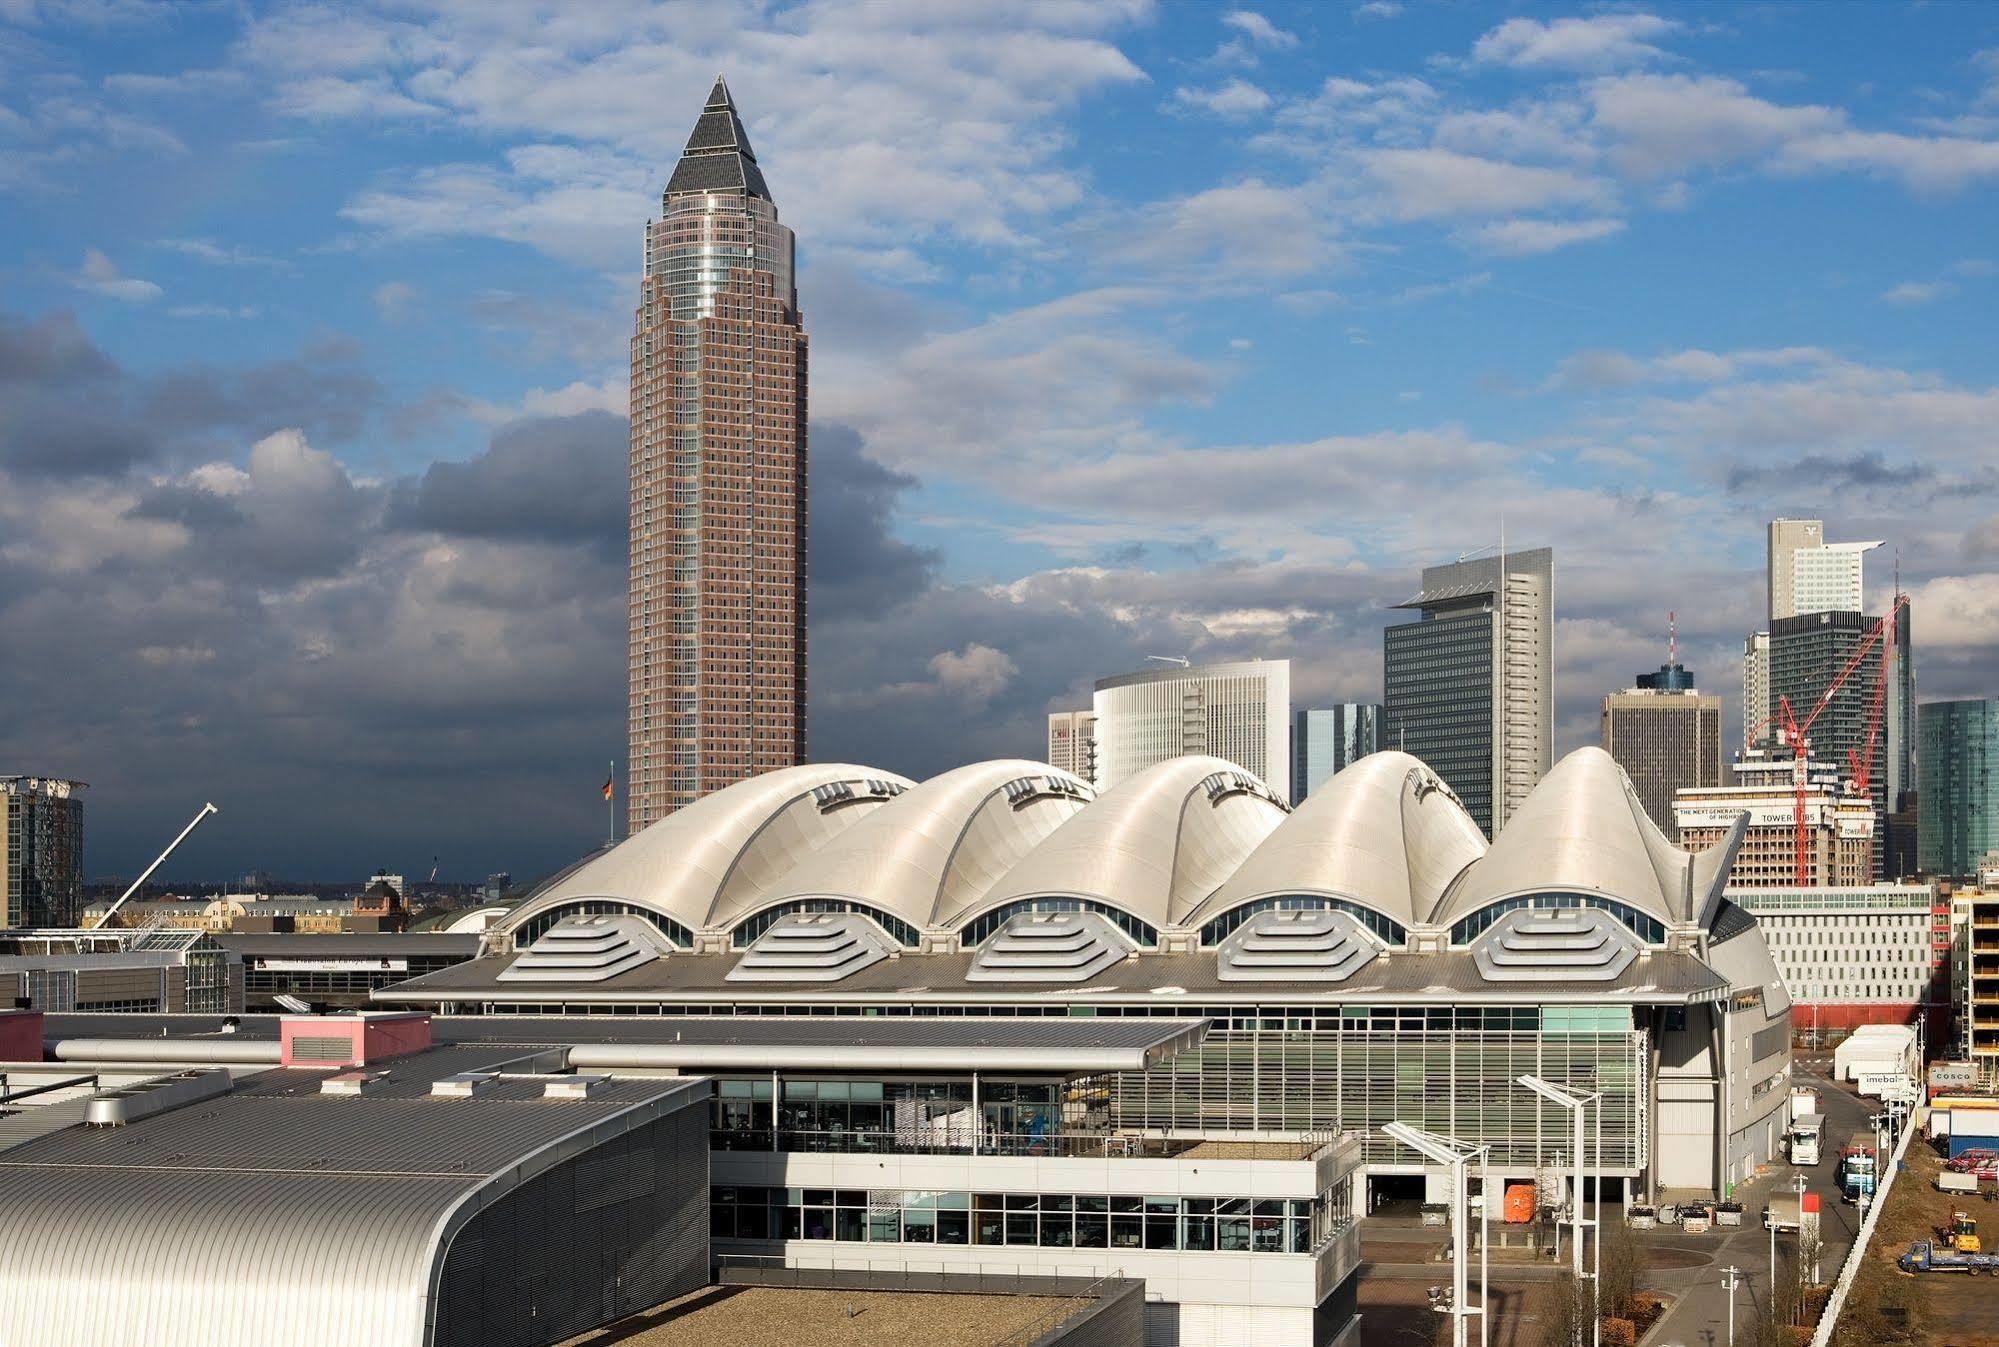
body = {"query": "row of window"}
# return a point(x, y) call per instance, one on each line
point(1035, 1220)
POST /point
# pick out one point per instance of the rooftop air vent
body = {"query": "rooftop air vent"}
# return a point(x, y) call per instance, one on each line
point(1567, 944)
point(1050, 947)
point(1296, 946)
point(813, 947)
point(588, 949)
point(129, 1103)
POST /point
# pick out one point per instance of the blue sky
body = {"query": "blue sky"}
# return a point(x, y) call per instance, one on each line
point(1135, 328)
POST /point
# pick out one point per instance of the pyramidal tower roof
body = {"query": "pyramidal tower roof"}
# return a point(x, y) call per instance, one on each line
point(718, 157)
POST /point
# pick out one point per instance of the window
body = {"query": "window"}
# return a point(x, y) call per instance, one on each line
point(1389, 930)
point(1648, 929)
point(977, 930)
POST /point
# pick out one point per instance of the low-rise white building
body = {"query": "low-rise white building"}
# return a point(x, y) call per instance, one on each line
point(1852, 955)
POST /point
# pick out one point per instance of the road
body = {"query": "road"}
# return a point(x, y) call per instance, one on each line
point(1699, 1317)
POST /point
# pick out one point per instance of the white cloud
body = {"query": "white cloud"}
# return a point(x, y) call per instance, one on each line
point(1526, 238)
point(1378, 9)
point(978, 672)
point(223, 254)
point(1430, 183)
point(1923, 163)
point(1911, 293)
point(1603, 42)
point(100, 276)
point(1259, 30)
point(393, 299)
point(1223, 236)
point(1659, 125)
point(1231, 101)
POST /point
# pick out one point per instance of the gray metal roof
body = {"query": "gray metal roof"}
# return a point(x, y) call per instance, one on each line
point(368, 944)
point(282, 1214)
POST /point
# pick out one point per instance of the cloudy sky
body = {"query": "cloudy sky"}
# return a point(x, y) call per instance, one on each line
point(1137, 329)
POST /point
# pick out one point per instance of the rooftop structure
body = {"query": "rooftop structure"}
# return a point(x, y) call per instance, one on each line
point(1761, 796)
point(393, 1205)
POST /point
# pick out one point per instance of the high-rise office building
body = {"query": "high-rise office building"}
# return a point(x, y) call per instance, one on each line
point(1807, 653)
point(717, 607)
point(41, 851)
point(1240, 711)
point(1666, 735)
point(1468, 686)
point(1326, 740)
point(1957, 825)
point(1755, 684)
point(1072, 743)
point(1807, 574)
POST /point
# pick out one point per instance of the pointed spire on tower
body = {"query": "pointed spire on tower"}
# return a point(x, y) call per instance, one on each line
point(718, 157)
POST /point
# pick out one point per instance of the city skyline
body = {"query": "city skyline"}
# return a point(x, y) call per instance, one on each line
point(314, 469)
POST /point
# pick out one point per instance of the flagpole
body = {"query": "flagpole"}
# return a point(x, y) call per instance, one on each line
point(611, 801)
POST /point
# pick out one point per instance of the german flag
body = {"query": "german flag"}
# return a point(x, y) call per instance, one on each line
point(609, 782)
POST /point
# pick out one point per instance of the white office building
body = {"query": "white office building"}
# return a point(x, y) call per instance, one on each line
point(1241, 712)
point(1851, 955)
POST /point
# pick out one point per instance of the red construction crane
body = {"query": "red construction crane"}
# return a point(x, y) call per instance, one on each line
point(1791, 732)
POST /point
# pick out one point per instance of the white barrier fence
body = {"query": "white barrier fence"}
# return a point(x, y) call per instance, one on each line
point(1884, 1182)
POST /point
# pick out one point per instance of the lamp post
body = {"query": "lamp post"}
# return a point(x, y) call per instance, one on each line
point(1729, 1281)
point(1576, 1104)
point(1457, 1157)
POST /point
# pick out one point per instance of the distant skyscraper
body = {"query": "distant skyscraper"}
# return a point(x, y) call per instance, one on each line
point(1469, 685)
point(1755, 684)
point(1329, 739)
point(1072, 743)
point(1807, 653)
point(41, 851)
point(1666, 735)
point(1241, 712)
point(1958, 819)
point(717, 609)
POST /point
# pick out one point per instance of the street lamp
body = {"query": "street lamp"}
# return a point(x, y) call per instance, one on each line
point(1729, 1281)
point(1457, 1156)
point(1576, 1103)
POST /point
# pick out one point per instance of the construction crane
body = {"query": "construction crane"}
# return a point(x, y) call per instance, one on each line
point(1792, 733)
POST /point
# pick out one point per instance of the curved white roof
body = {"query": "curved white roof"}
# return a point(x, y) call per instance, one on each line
point(1582, 830)
point(1386, 833)
point(1153, 845)
point(715, 857)
point(940, 847)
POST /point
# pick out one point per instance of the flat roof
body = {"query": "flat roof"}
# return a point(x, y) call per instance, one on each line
point(772, 1316)
point(721, 1042)
point(372, 944)
point(1451, 977)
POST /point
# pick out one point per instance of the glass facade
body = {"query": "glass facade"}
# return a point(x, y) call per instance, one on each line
point(533, 929)
point(1957, 816)
point(899, 931)
point(1328, 740)
point(1031, 1220)
point(913, 1116)
point(1646, 928)
point(1218, 930)
point(1437, 689)
point(977, 930)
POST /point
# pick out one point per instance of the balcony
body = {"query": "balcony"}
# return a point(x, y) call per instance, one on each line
point(1051, 1145)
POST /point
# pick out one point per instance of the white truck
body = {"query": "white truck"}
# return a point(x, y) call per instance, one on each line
point(1801, 1143)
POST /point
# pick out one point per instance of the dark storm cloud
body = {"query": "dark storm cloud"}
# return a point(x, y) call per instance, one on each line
point(1829, 472)
point(551, 479)
point(68, 410)
point(857, 565)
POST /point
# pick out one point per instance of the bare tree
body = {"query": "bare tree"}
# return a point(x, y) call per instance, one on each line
point(1619, 1287)
point(1562, 1312)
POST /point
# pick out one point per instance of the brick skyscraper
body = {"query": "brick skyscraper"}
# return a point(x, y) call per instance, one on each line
point(717, 609)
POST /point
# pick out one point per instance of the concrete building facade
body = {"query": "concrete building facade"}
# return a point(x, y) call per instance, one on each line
point(1666, 738)
point(1839, 825)
point(41, 850)
point(1072, 743)
point(1328, 740)
point(1854, 955)
point(1468, 686)
point(1958, 819)
point(718, 473)
point(1239, 711)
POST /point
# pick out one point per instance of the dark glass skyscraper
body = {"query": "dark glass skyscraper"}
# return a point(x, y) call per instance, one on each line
point(1326, 740)
point(41, 851)
point(1958, 822)
point(1468, 686)
point(717, 609)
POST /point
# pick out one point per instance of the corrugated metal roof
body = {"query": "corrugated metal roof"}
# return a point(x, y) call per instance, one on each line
point(275, 1213)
